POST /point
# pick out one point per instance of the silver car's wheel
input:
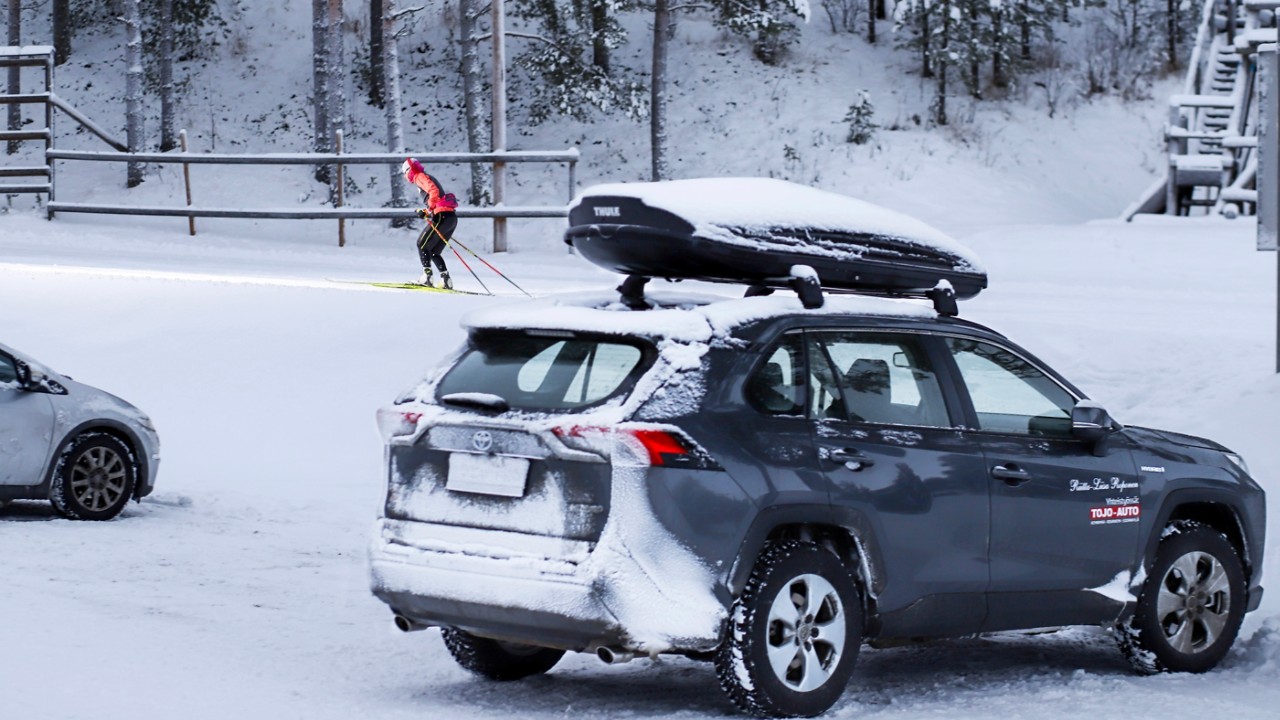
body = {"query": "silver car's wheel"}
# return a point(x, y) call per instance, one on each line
point(794, 634)
point(94, 479)
point(1191, 604)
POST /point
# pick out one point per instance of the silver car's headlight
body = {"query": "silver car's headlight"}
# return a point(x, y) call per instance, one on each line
point(1238, 462)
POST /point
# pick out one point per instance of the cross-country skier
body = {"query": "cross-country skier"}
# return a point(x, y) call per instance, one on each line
point(441, 222)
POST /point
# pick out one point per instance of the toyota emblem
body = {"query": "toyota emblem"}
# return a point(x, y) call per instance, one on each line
point(482, 440)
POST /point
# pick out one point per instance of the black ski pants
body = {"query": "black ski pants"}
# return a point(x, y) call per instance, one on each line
point(431, 242)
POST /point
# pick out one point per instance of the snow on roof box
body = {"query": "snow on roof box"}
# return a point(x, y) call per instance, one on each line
point(754, 230)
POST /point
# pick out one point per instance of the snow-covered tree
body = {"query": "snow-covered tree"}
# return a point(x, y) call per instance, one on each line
point(61, 30)
point(389, 24)
point(769, 23)
point(561, 56)
point(15, 38)
point(473, 100)
point(861, 119)
point(168, 136)
point(662, 19)
point(321, 140)
point(134, 137)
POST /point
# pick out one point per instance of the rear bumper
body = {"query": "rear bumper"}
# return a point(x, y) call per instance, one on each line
point(531, 589)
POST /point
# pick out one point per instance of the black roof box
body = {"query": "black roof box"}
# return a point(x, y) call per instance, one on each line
point(753, 231)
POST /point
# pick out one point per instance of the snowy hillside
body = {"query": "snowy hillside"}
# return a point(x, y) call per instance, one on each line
point(999, 161)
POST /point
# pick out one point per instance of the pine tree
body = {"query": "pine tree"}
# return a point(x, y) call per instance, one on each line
point(15, 38)
point(769, 23)
point(134, 136)
point(563, 57)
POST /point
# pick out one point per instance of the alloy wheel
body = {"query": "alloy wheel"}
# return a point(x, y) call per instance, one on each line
point(1194, 603)
point(806, 633)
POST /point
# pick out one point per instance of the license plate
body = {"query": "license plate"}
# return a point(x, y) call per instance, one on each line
point(487, 474)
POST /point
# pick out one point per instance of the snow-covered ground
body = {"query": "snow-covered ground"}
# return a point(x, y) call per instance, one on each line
point(240, 588)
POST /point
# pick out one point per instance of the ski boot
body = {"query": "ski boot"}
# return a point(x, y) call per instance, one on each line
point(425, 278)
point(448, 284)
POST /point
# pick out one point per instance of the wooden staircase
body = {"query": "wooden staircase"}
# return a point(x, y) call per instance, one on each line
point(1212, 132)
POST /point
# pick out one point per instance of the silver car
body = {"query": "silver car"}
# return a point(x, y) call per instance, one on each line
point(86, 451)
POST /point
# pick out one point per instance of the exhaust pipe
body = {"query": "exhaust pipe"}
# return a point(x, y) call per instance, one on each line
point(407, 625)
point(614, 656)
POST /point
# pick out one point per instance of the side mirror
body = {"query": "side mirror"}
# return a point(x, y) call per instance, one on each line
point(24, 374)
point(1091, 422)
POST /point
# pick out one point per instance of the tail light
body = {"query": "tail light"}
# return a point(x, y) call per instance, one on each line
point(396, 422)
point(654, 447)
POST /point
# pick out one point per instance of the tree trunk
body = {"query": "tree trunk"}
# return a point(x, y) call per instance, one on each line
point(168, 137)
point(975, 61)
point(871, 21)
point(1025, 21)
point(881, 12)
point(377, 63)
point(133, 87)
point(391, 98)
point(658, 91)
point(337, 81)
point(61, 31)
point(940, 104)
point(322, 141)
point(925, 42)
point(1171, 23)
point(599, 48)
point(997, 48)
point(15, 73)
point(469, 12)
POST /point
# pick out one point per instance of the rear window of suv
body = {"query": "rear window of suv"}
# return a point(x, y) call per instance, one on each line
point(548, 370)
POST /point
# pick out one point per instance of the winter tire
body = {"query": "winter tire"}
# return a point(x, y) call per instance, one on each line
point(793, 635)
point(1191, 604)
point(94, 478)
point(497, 660)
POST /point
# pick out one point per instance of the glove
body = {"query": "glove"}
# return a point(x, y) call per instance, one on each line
point(422, 213)
point(411, 169)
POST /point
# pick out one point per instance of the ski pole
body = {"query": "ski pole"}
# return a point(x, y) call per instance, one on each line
point(486, 263)
point(422, 243)
point(473, 272)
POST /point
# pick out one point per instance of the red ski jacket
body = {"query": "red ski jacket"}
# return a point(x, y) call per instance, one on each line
point(437, 199)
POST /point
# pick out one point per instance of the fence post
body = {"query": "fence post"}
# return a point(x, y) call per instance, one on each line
point(186, 181)
point(342, 223)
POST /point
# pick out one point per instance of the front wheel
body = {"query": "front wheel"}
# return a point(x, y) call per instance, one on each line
point(794, 633)
point(94, 478)
point(1191, 604)
point(497, 660)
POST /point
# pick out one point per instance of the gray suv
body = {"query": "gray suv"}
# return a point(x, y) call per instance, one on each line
point(767, 485)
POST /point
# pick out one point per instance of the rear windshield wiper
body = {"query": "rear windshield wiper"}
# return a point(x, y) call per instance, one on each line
point(482, 401)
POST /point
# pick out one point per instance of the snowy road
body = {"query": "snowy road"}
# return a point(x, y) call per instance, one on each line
point(239, 589)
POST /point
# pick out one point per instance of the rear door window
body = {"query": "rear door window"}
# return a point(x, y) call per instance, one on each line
point(778, 386)
point(875, 378)
point(533, 372)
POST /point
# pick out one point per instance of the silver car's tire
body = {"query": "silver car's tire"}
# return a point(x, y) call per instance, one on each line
point(498, 660)
point(1191, 604)
point(794, 633)
point(94, 478)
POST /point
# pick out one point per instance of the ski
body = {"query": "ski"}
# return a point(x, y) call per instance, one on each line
point(410, 286)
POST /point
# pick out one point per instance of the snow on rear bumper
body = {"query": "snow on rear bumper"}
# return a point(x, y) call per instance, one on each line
point(533, 589)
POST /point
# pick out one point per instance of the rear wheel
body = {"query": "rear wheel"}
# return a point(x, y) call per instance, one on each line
point(94, 478)
point(794, 633)
point(497, 660)
point(1191, 604)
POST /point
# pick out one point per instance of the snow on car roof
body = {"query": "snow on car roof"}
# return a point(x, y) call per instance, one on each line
point(762, 204)
point(681, 317)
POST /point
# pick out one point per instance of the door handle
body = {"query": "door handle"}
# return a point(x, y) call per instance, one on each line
point(1010, 473)
point(851, 458)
